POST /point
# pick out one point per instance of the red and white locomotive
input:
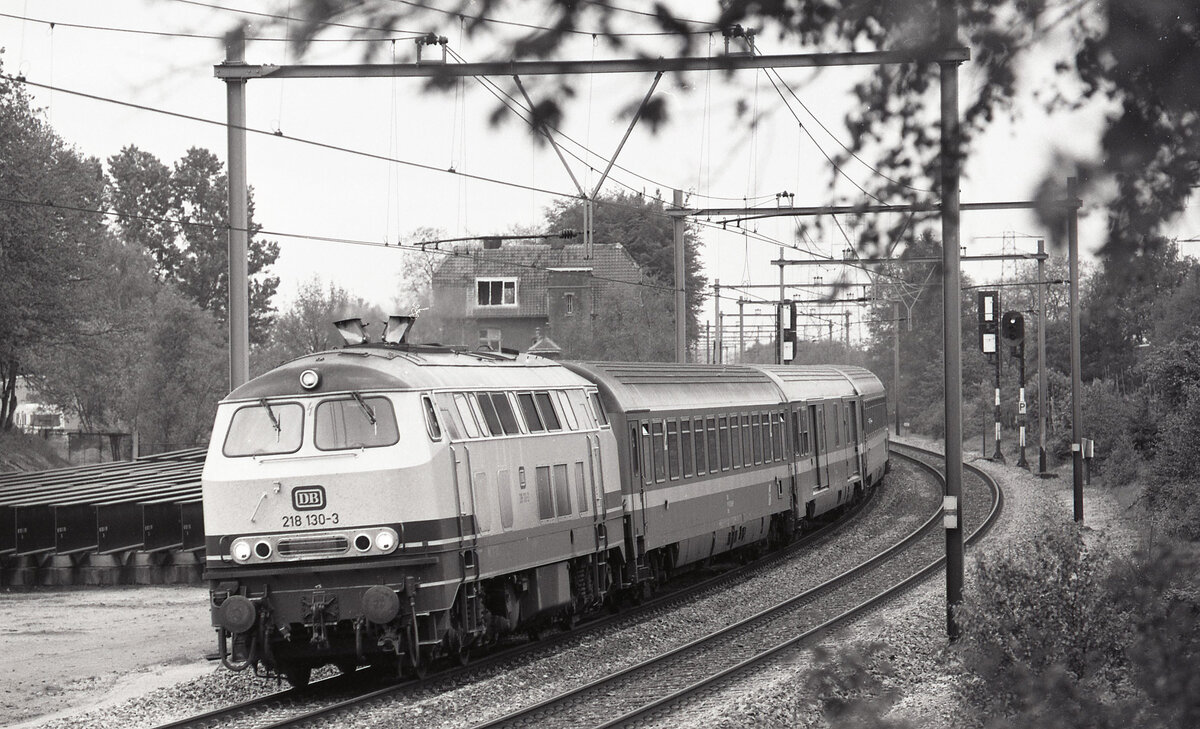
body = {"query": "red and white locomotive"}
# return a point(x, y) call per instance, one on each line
point(388, 502)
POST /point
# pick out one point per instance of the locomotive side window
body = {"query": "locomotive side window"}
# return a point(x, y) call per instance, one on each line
point(568, 412)
point(685, 445)
point(545, 496)
point(673, 449)
point(701, 456)
point(714, 461)
point(431, 421)
point(508, 419)
point(529, 410)
point(599, 408)
point(450, 420)
point(465, 415)
point(265, 428)
point(484, 430)
point(578, 400)
point(658, 448)
point(562, 490)
point(488, 409)
point(360, 422)
point(580, 488)
point(504, 491)
point(546, 408)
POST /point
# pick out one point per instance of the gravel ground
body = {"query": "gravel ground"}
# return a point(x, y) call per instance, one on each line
point(129, 678)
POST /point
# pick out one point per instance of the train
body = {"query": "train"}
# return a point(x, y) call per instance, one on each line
point(396, 504)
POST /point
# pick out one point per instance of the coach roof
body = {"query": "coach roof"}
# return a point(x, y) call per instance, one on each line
point(821, 381)
point(655, 386)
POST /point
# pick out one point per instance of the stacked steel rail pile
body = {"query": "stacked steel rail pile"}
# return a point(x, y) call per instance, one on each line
point(148, 505)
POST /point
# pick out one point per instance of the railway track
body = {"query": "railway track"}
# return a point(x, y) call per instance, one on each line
point(337, 697)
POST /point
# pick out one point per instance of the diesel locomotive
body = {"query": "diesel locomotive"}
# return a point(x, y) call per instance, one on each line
point(391, 504)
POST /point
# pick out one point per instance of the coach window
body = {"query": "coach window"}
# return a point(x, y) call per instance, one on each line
point(658, 446)
point(777, 434)
point(634, 450)
point(701, 456)
point(714, 460)
point(837, 429)
point(545, 496)
point(685, 445)
point(431, 421)
point(529, 410)
point(568, 412)
point(546, 408)
point(756, 437)
point(265, 428)
point(562, 490)
point(647, 449)
point(355, 422)
point(798, 446)
point(723, 448)
point(673, 449)
point(464, 412)
point(735, 437)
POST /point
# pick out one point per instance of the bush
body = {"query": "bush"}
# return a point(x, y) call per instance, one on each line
point(1041, 633)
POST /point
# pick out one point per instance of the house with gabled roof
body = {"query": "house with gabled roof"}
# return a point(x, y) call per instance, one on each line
point(515, 293)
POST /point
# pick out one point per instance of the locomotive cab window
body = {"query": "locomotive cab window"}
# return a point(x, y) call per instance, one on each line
point(355, 422)
point(599, 407)
point(265, 428)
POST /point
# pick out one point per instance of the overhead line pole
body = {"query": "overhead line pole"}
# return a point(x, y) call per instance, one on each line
point(1076, 375)
point(951, 315)
point(238, 310)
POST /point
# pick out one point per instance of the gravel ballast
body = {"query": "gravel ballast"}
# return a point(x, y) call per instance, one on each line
point(913, 627)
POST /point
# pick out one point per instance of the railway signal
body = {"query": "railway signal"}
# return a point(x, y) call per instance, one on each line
point(1012, 328)
point(989, 330)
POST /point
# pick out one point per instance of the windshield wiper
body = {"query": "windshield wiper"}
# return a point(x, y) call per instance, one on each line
point(365, 407)
point(271, 415)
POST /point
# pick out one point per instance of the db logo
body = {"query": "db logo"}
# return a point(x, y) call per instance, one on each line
point(308, 498)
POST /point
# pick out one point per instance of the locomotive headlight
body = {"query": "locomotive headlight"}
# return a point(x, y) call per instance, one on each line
point(385, 540)
point(241, 550)
point(310, 379)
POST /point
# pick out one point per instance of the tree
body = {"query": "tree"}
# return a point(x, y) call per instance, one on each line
point(179, 215)
point(45, 238)
point(308, 325)
point(641, 225)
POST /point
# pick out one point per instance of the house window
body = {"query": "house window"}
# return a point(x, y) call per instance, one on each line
point(570, 303)
point(489, 339)
point(496, 291)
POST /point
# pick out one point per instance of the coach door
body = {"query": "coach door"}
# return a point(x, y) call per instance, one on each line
point(856, 437)
point(816, 423)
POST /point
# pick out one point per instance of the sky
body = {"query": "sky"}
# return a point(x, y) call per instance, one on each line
point(347, 192)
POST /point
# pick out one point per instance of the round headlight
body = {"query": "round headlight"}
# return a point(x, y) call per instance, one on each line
point(385, 541)
point(262, 549)
point(241, 550)
point(310, 379)
point(362, 542)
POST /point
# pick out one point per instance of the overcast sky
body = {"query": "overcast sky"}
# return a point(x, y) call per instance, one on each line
point(301, 189)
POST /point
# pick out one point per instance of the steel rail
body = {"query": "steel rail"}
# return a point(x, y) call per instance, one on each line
point(545, 709)
point(814, 634)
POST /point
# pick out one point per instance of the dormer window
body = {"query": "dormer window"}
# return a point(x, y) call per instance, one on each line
point(496, 291)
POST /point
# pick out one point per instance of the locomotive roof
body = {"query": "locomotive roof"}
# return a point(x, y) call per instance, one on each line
point(637, 386)
point(808, 381)
point(380, 367)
